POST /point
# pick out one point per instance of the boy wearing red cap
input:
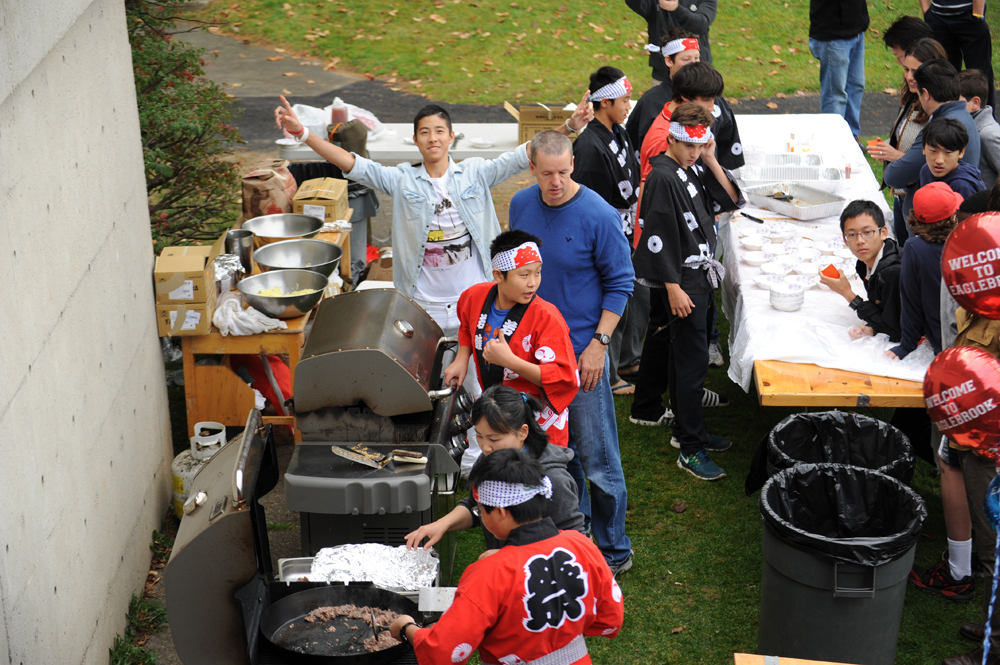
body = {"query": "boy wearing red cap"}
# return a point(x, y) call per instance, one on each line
point(933, 217)
point(518, 339)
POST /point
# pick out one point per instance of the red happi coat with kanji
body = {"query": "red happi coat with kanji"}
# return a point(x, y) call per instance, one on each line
point(541, 337)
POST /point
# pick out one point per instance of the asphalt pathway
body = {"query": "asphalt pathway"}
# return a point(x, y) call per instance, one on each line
point(255, 77)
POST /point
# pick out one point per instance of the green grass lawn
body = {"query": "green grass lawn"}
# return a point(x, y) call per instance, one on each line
point(484, 52)
point(700, 570)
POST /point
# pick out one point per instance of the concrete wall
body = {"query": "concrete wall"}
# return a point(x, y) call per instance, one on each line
point(84, 429)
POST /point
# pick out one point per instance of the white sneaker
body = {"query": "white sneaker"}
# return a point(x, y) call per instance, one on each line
point(715, 357)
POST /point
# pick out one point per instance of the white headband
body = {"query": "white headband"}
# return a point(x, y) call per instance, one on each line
point(678, 45)
point(512, 259)
point(619, 88)
point(498, 494)
point(696, 134)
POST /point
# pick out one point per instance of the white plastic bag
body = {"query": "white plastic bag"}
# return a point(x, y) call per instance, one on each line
point(314, 119)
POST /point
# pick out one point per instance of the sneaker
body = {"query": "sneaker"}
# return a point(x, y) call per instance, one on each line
point(937, 579)
point(666, 419)
point(715, 357)
point(979, 569)
point(622, 567)
point(701, 466)
point(716, 444)
point(710, 398)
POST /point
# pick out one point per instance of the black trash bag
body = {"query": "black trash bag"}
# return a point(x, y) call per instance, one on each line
point(843, 513)
point(832, 437)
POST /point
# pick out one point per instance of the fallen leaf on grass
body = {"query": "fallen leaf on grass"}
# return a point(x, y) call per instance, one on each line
point(777, 61)
point(539, 80)
point(733, 101)
point(437, 18)
point(431, 63)
point(292, 74)
point(230, 96)
point(772, 72)
point(775, 48)
point(235, 85)
point(800, 93)
point(279, 50)
point(781, 95)
point(771, 105)
point(332, 64)
point(891, 91)
point(680, 507)
point(275, 58)
point(678, 629)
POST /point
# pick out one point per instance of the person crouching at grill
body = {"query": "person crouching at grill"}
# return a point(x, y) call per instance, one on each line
point(537, 596)
point(505, 419)
point(517, 339)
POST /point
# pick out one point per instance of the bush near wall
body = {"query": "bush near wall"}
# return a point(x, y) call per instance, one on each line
point(186, 132)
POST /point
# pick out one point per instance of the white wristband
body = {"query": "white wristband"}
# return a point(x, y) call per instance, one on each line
point(305, 135)
point(570, 129)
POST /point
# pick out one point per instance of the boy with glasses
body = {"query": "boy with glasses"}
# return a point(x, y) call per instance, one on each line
point(879, 264)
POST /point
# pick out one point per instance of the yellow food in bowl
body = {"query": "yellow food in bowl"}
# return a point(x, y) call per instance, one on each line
point(275, 291)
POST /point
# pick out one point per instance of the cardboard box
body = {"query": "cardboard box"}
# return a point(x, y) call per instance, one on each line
point(535, 118)
point(185, 274)
point(380, 270)
point(187, 319)
point(343, 240)
point(324, 198)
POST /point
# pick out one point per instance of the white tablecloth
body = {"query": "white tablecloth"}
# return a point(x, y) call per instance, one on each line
point(816, 333)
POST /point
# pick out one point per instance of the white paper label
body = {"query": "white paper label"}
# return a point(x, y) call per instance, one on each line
point(191, 320)
point(183, 292)
point(319, 212)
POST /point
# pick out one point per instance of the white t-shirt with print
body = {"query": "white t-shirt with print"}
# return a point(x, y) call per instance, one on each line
point(451, 259)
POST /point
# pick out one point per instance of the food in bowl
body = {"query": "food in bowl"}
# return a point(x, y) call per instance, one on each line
point(278, 292)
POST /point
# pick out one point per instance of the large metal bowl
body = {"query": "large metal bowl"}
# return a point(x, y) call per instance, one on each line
point(316, 255)
point(284, 307)
point(275, 228)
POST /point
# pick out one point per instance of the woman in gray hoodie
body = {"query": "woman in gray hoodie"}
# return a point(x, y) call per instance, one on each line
point(505, 418)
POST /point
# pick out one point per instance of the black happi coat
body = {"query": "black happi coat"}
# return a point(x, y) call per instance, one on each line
point(608, 164)
point(882, 309)
point(728, 147)
point(678, 213)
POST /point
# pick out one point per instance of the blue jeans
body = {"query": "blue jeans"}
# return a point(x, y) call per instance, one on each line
point(593, 438)
point(841, 77)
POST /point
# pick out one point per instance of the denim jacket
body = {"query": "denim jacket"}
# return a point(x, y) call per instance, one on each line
point(469, 184)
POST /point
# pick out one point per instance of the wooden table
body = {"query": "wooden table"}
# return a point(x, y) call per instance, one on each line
point(794, 384)
point(753, 659)
point(216, 393)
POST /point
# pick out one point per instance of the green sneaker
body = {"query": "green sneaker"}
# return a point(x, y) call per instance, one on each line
point(701, 466)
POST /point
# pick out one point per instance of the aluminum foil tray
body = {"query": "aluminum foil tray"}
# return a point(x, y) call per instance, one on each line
point(807, 203)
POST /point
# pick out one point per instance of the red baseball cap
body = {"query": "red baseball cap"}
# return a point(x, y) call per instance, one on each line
point(935, 202)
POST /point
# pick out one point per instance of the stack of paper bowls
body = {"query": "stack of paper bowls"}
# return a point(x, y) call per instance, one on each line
point(787, 297)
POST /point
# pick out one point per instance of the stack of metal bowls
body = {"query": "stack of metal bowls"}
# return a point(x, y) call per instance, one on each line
point(289, 281)
point(275, 228)
point(316, 255)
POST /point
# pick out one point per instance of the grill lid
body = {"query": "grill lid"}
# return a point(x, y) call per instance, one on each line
point(377, 346)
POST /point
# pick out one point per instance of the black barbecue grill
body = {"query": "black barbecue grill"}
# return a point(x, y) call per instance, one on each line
point(373, 382)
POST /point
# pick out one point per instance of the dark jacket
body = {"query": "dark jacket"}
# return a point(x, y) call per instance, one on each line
point(965, 179)
point(728, 146)
point(881, 310)
point(904, 173)
point(837, 19)
point(564, 508)
point(920, 296)
point(692, 15)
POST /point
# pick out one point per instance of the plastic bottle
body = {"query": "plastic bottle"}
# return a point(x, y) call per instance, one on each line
point(338, 113)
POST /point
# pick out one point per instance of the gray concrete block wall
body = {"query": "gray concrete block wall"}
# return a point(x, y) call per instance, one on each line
point(84, 431)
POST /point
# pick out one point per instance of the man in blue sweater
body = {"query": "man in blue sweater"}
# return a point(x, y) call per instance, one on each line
point(938, 91)
point(588, 277)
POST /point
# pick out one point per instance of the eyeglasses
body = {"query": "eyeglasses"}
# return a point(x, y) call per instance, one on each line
point(869, 234)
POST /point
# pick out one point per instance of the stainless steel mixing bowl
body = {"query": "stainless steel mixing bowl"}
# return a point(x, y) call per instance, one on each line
point(283, 307)
point(316, 255)
point(275, 228)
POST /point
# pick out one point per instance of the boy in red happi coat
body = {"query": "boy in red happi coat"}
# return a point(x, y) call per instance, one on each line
point(519, 340)
point(537, 596)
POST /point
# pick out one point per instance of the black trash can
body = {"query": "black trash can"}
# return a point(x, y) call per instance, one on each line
point(832, 437)
point(838, 546)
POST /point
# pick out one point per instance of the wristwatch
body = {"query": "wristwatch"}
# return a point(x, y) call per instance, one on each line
point(602, 338)
point(402, 632)
point(854, 304)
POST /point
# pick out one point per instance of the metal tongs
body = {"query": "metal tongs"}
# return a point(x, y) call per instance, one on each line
point(377, 629)
point(780, 196)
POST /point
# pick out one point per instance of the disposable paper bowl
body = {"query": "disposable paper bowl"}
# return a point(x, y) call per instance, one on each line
point(776, 248)
point(809, 269)
point(805, 254)
point(755, 258)
point(748, 230)
point(847, 268)
point(766, 281)
point(829, 246)
point(779, 230)
point(482, 143)
point(755, 242)
point(798, 243)
point(779, 268)
point(845, 254)
point(787, 297)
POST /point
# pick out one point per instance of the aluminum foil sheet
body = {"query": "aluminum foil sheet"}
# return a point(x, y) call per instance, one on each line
point(228, 271)
point(337, 226)
point(392, 568)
